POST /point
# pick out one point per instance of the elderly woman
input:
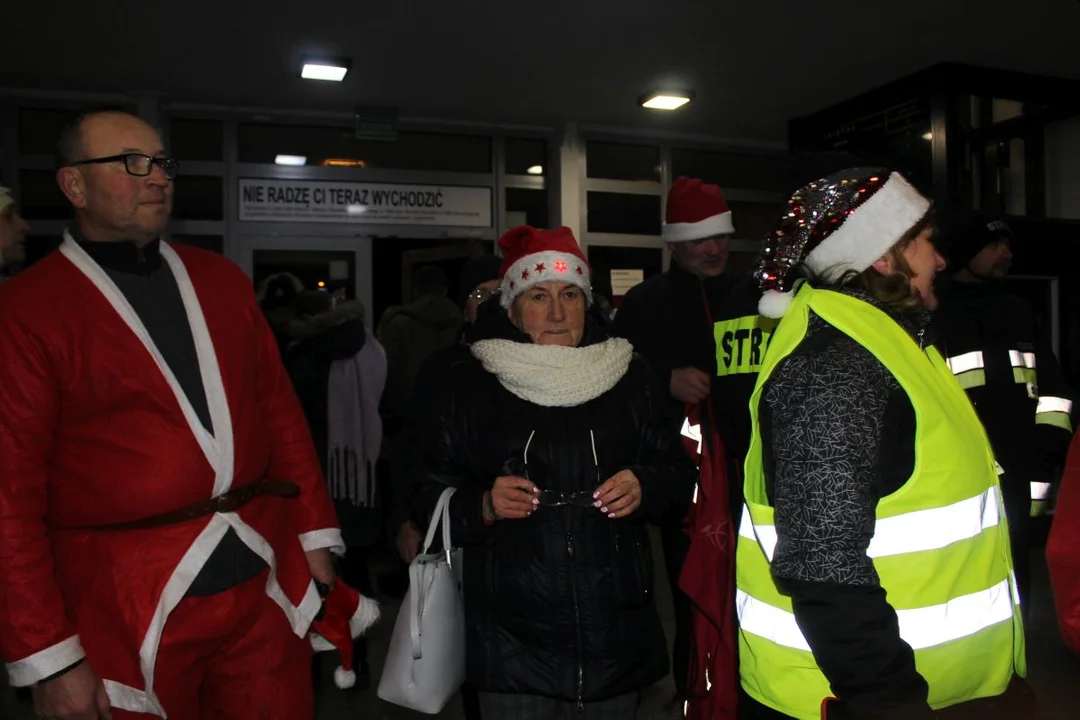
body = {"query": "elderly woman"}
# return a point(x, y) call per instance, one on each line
point(555, 439)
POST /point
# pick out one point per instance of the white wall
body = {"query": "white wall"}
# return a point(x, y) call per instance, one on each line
point(1063, 169)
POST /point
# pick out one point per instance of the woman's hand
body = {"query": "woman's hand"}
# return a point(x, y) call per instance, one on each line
point(619, 496)
point(512, 498)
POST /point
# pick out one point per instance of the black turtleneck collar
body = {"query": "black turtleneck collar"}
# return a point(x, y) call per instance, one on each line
point(123, 256)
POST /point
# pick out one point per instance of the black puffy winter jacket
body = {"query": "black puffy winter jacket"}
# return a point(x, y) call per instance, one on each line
point(559, 604)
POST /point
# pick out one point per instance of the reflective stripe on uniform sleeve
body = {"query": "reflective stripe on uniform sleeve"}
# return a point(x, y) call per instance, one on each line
point(1040, 491)
point(1023, 365)
point(1054, 411)
point(911, 532)
point(920, 627)
point(1022, 359)
point(966, 362)
point(969, 369)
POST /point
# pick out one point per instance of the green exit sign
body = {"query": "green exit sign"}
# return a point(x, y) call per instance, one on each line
point(377, 123)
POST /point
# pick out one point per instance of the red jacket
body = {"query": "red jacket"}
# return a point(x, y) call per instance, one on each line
point(94, 430)
point(1063, 549)
point(708, 578)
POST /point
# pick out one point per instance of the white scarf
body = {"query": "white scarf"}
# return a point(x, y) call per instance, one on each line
point(554, 376)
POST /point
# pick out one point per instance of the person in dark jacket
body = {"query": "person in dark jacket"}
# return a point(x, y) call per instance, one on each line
point(412, 332)
point(999, 352)
point(698, 327)
point(559, 443)
point(314, 332)
point(479, 281)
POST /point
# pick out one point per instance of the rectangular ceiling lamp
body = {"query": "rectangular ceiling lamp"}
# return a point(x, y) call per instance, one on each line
point(664, 100)
point(290, 160)
point(331, 70)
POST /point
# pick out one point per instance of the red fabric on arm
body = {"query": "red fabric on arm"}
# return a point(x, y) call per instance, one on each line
point(36, 637)
point(1063, 549)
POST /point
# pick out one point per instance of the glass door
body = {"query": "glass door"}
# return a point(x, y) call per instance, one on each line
point(329, 264)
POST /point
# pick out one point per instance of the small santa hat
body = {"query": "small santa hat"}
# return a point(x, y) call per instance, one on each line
point(695, 211)
point(346, 615)
point(532, 256)
point(838, 224)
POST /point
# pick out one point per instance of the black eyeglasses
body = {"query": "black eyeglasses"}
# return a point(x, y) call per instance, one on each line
point(559, 498)
point(137, 164)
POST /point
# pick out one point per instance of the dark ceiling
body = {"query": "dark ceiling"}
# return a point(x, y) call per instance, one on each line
point(753, 64)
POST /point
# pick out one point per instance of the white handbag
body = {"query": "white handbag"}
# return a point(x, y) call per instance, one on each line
point(425, 665)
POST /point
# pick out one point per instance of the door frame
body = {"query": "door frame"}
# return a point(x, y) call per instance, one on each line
point(359, 245)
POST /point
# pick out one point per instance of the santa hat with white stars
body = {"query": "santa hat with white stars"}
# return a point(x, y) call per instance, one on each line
point(531, 256)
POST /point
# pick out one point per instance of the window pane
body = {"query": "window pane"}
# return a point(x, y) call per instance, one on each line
point(524, 156)
point(623, 213)
point(339, 147)
point(40, 197)
point(196, 139)
point(531, 203)
point(39, 129)
point(615, 161)
point(753, 221)
point(213, 243)
point(733, 170)
point(199, 197)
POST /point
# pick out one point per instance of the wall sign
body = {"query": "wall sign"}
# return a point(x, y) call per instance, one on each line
point(327, 201)
point(623, 280)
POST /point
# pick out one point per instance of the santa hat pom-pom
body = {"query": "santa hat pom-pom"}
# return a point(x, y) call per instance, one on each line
point(344, 679)
point(775, 304)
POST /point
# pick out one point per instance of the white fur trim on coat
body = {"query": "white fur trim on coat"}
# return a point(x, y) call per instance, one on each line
point(709, 227)
point(545, 267)
point(870, 231)
point(35, 668)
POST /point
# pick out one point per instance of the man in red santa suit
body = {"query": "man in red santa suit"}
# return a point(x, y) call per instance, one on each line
point(165, 532)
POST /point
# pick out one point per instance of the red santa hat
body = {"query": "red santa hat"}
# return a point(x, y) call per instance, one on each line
point(838, 224)
point(532, 256)
point(695, 211)
point(346, 615)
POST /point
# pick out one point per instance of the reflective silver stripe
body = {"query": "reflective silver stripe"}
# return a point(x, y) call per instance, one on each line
point(1022, 359)
point(911, 532)
point(920, 627)
point(692, 431)
point(1040, 491)
point(966, 362)
point(1049, 404)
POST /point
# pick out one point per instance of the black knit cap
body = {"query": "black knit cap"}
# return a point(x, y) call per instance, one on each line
point(971, 233)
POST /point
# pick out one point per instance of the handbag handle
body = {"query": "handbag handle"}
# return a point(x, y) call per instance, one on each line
point(441, 514)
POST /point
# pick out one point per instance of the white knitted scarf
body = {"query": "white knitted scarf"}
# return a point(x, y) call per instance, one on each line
point(554, 376)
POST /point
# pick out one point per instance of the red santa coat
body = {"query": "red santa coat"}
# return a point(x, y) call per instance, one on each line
point(95, 429)
point(1063, 549)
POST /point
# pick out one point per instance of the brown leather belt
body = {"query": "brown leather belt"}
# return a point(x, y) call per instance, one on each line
point(226, 502)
